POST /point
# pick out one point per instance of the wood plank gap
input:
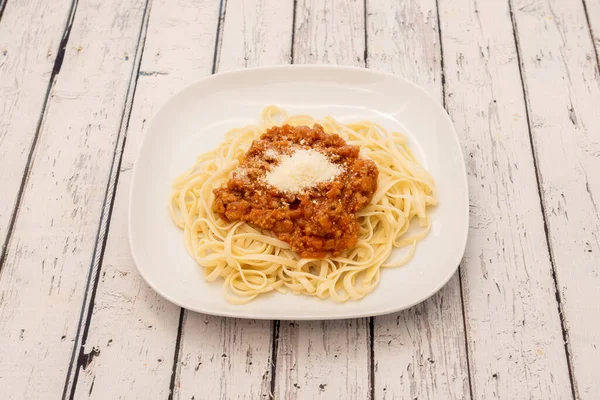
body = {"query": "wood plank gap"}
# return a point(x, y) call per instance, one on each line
point(366, 55)
point(464, 314)
point(219, 37)
point(442, 73)
point(105, 219)
point(55, 71)
point(182, 316)
point(274, 349)
point(293, 30)
point(371, 334)
point(565, 333)
point(2, 8)
point(460, 275)
point(62, 47)
point(591, 30)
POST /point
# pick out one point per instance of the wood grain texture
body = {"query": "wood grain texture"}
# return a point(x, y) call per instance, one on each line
point(2, 7)
point(324, 360)
point(425, 344)
point(132, 328)
point(515, 343)
point(224, 358)
point(330, 32)
point(562, 84)
point(592, 9)
point(255, 33)
point(403, 39)
point(130, 334)
point(30, 35)
point(228, 358)
point(49, 255)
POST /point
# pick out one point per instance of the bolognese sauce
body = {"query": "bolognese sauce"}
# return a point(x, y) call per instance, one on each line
point(310, 206)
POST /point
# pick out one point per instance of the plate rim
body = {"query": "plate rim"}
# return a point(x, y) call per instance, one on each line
point(241, 314)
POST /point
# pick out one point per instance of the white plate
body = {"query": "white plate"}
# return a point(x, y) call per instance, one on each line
point(195, 121)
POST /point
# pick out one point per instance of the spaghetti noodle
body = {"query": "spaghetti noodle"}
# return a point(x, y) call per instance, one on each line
point(253, 261)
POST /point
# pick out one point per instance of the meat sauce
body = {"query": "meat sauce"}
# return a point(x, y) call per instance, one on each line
point(317, 221)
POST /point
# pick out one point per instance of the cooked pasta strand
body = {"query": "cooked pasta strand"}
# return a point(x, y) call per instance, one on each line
point(253, 261)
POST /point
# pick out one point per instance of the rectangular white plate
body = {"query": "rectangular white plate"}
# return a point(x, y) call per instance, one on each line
point(195, 121)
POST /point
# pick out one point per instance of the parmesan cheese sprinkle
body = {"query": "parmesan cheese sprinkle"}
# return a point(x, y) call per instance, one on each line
point(271, 154)
point(302, 170)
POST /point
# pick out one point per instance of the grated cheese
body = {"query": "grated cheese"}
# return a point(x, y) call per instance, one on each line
point(271, 154)
point(240, 173)
point(302, 170)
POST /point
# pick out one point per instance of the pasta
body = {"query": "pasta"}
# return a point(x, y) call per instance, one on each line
point(252, 261)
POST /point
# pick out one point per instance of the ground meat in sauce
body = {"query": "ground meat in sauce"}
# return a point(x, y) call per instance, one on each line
point(316, 222)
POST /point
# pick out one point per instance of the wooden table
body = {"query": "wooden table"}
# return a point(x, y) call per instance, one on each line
point(80, 79)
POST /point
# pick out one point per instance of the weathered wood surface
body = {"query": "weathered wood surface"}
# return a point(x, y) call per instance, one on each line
point(592, 14)
point(323, 360)
point(562, 84)
point(520, 79)
point(426, 344)
point(43, 278)
point(515, 344)
point(28, 64)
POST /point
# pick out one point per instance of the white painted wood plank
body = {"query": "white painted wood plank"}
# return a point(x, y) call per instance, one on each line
point(330, 32)
point(230, 358)
point(255, 33)
point(515, 343)
point(403, 38)
point(30, 35)
point(324, 360)
point(48, 258)
point(133, 328)
point(562, 83)
point(224, 358)
point(593, 14)
point(419, 353)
